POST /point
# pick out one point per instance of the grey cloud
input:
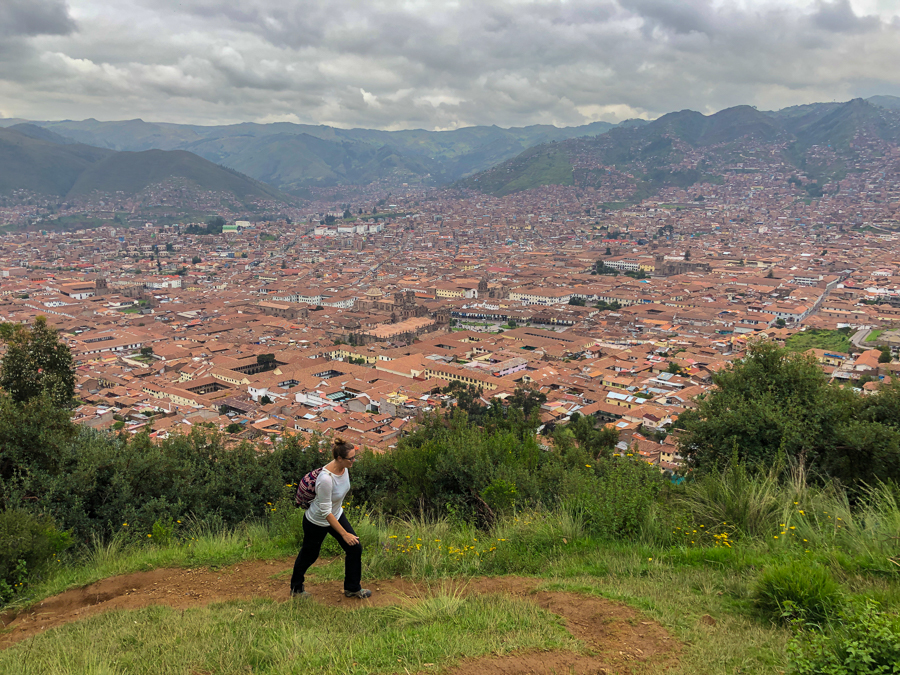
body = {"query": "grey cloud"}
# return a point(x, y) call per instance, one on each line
point(439, 64)
point(685, 16)
point(838, 17)
point(35, 17)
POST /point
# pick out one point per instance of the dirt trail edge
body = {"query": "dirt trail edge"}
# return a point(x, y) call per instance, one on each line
point(618, 638)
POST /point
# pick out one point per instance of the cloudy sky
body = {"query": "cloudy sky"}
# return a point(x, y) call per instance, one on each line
point(435, 64)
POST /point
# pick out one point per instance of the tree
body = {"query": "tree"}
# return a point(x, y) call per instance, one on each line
point(601, 268)
point(36, 363)
point(215, 225)
point(885, 356)
point(147, 351)
point(779, 322)
point(598, 443)
point(265, 400)
point(775, 408)
point(196, 259)
point(771, 274)
point(528, 400)
point(577, 302)
point(865, 379)
point(674, 368)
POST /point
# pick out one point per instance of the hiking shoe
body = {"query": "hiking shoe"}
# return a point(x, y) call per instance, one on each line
point(299, 594)
point(362, 593)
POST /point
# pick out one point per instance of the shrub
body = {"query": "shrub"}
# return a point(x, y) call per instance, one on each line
point(751, 503)
point(797, 589)
point(162, 531)
point(27, 543)
point(617, 502)
point(865, 642)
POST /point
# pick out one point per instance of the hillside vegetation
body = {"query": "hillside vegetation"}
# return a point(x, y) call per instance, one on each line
point(650, 156)
point(296, 156)
point(39, 163)
point(533, 168)
point(832, 340)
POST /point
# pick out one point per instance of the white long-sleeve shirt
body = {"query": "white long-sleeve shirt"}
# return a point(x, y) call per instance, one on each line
point(330, 492)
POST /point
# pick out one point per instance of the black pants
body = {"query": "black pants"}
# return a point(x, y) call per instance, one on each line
point(313, 536)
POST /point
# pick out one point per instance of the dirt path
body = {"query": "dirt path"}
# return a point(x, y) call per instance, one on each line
point(618, 638)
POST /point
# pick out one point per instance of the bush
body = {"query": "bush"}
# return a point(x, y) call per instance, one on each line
point(865, 642)
point(797, 590)
point(616, 503)
point(750, 503)
point(27, 543)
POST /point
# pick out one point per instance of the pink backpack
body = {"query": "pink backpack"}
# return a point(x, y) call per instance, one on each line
point(306, 489)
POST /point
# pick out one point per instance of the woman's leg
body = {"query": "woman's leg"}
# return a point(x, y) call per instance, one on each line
point(313, 536)
point(353, 557)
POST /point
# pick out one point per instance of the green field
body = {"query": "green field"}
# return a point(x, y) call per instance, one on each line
point(874, 335)
point(832, 340)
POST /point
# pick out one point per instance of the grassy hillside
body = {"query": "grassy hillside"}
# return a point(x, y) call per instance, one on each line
point(707, 586)
point(38, 160)
point(292, 156)
point(545, 165)
point(132, 172)
point(838, 127)
point(42, 166)
point(652, 153)
point(297, 160)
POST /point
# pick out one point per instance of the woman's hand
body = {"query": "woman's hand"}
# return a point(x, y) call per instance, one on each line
point(351, 539)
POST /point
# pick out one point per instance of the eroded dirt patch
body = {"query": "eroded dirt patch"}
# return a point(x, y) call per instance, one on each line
point(618, 639)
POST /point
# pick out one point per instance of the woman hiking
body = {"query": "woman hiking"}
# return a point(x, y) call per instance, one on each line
point(326, 516)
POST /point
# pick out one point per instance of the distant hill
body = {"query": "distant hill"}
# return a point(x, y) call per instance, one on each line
point(42, 166)
point(542, 165)
point(645, 158)
point(839, 125)
point(31, 158)
point(40, 133)
point(295, 156)
point(890, 102)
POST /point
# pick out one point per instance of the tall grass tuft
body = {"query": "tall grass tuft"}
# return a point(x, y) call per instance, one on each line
point(797, 589)
point(750, 503)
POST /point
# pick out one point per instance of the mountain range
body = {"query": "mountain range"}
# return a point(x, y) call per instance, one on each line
point(71, 157)
point(296, 156)
point(686, 147)
point(41, 161)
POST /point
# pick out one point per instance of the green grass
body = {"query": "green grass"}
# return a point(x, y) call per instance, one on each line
point(832, 340)
point(262, 636)
point(701, 552)
point(874, 335)
point(533, 168)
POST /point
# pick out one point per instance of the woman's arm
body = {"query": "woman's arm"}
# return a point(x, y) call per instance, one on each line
point(351, 539)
